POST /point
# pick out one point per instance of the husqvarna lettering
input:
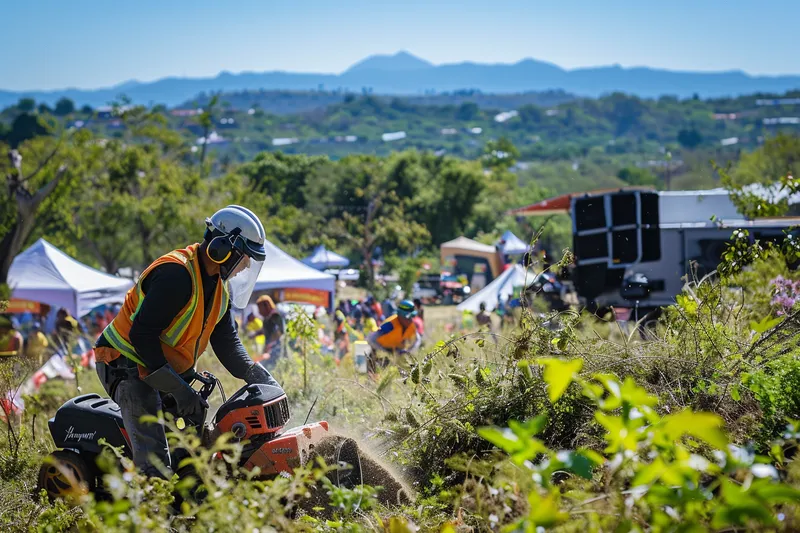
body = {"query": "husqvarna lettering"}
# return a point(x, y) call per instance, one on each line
point(77, 437)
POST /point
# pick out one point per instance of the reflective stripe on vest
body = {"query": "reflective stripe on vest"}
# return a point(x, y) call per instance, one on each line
point(174, 334)
point(189, 331)
point(120, 344)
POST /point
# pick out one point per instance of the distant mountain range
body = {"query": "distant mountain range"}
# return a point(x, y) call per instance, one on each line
point(405, 74)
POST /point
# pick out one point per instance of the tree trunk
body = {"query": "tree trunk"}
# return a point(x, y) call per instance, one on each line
point(27, 207)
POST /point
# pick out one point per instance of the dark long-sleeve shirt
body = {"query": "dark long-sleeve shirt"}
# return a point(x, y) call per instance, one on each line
point(167, 289)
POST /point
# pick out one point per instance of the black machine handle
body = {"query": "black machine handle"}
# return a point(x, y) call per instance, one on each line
point(209, 382)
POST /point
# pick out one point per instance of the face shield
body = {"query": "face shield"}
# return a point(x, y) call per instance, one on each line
point(242, 280)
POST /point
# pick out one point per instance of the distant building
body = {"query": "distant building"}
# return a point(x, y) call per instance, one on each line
point(393, 136)
point(284, 141)
point(108, 112)
point(778, 101)
point(505, 116)
point(185, 112)
point(213, 138)
point(781, 121)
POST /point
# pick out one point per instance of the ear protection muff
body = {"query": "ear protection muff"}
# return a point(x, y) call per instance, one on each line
point(220, 248)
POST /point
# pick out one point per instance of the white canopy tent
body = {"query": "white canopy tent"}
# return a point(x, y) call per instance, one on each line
point(45, 274)
point(501, 288)
point(282, 271)
point(323, 258)
point(510, 244)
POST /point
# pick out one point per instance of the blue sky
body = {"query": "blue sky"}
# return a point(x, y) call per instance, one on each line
point(98, 43)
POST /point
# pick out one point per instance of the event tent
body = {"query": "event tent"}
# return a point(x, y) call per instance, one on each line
point(510, 244)
point(282, 271)
point(323, 258)
point(45, 274)
point(501, 288)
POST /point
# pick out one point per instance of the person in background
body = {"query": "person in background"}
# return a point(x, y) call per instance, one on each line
point(66, 330)
point(344, 307)
point(255, 331)
point(467, 320)
point(388, 308)
point(419, 320)
point(11, 340)
point(370, 325)
point(36, 344)
point(100, 321)
point(341, 337)
point(483, 318)
point(398, 334)
point(376, 308)
point(274, 328)
point(356, 315)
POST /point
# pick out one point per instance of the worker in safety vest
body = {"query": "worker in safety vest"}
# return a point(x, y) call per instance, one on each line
point(11, 340)
point(181, 303)
point(397, 334)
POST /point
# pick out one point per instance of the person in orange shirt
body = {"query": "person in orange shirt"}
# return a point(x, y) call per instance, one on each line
point(397, 334)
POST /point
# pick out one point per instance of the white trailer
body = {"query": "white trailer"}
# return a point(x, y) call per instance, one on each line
point(637, 247)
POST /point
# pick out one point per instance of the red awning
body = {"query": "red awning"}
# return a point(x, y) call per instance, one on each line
point(561, 204)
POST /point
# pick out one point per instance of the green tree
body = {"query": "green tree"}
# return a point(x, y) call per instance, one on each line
point(25, 126)
point(500, 154)
point(37, 189)
point(468, 111)
point(142, 197)
point(26, 105)
point(206, 121)
point(637, 176)
point(364, 211)
point(690, 139)
point(440, 192)
point(64, 107)
point(282, 177)
point(778, 158)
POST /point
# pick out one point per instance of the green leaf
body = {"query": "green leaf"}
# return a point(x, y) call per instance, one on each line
point(704, 426)
point(765, 324)
point(559, 375)
point(415, 375)
point(387, 379)
point(777, 493)
point(427, 366)
point(578, 463)
point(505, 439)
point(635, 395)
point(532, 426)
point(735, 393)
point(544, 511)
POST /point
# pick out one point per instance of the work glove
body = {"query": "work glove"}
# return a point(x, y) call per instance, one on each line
point(189, 404)
point(260, 375)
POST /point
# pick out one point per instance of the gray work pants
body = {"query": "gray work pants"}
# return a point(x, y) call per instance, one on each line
point(136, 399)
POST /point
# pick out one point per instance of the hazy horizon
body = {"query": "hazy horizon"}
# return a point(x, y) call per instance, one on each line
point(90, 44)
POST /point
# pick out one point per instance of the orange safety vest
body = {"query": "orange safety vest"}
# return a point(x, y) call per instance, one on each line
point(187, 336)
point(396, 338)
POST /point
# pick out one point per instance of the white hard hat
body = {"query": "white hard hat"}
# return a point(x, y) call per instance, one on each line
point(236, 220)
point(236, 228)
